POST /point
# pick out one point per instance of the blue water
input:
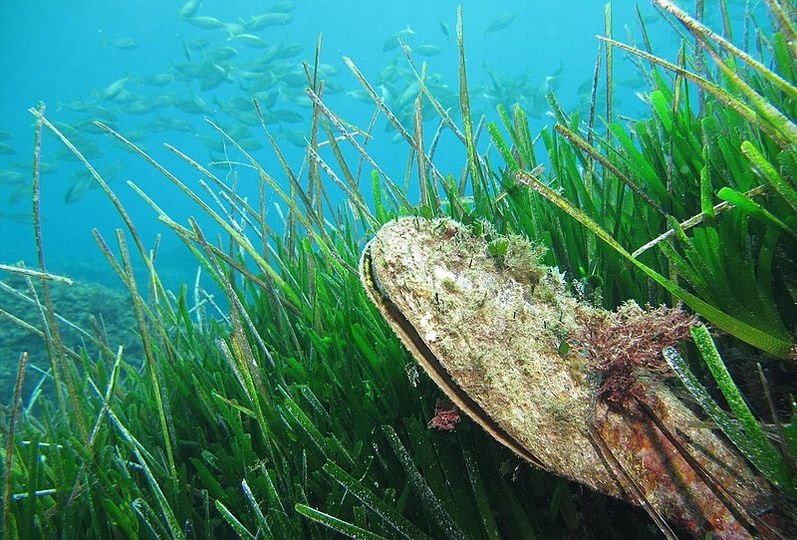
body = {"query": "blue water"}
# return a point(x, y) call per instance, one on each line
point(68, 54)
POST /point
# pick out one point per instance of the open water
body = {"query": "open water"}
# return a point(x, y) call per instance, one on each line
point(160, 72)
point(157, 71)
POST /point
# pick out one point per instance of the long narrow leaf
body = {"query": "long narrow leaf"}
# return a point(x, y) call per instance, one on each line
point(343, 527)
point(763, 340)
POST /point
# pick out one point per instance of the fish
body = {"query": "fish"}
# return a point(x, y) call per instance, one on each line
point(500, 23)
point(585, 88)
point(427, 50)
point(486, 321)
point(194, 105)
point(234, 28)
point(390, 73)
point(78, 105)
point(5, 135)
point(84, 181)
point(301, 100)
point(136, 136)
point(161, 100)
point(124, 96)
point(295, 79)
point(250, 118)
point(66, 129)
point(157, 125)
point(296, 137)
point(11, 177)
point(7, 149)
point(212, 81)
point(46, 167)
point(265, 82)
point(258, 22)
point(239, 132)
point(445, 29)
point(114, 89)
point(189, 9)
point(158, 79)
point(283, 7)
point(284, 115)
point(205, 22)
point(198, 44)
point(251, 40)
point(327, 70)
point(250, 145)
point(213, 143)
point(177, 124)
point(333, 87)
point(98, 112)
point(360, 95)
point(634, 83)
point(20, 193)
point(551, 82)
point(186, 50)
point(392, 43)
point(395, 40)
point(137, 108)
point(124, 43)
point(21, 218)
point(89, 153)
point(236, 103)
point(408, 96)
point(285, 52)
point(223, 53)
point(249, 75)
point(88, 126)
point(651, 18)
point(267, 99)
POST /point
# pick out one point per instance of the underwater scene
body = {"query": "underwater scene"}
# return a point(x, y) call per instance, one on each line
point(359, 269)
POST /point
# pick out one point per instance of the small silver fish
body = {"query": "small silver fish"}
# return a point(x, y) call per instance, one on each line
point(7, 149)
point(500, 23)
point(394, 41)
point(283, 7)
point(446, 31)
point(115, 88)
point(189, 8)
point(206, 23)
point(124, 43)
point(11, 177)
point(158, 79)
point(84, 182)
point(427, 50)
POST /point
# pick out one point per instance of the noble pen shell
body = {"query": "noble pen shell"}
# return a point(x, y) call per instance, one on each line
point(486, 321)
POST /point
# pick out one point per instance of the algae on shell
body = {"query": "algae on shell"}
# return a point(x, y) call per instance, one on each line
point(487, 324)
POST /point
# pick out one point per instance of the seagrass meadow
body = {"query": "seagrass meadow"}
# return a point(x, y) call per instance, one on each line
point(283, 405)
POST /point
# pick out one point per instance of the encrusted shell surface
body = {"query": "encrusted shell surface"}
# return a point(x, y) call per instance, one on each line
point(487, 326)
